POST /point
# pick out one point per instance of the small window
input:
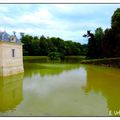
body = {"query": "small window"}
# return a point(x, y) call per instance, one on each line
point(13, 52)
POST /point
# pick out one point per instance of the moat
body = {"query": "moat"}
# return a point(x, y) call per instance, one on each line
point(61, 89)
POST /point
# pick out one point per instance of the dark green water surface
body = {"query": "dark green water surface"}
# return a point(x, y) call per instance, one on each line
point(47, 89)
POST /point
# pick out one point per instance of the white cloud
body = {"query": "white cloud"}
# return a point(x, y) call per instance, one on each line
point(39, 16)
point(68, 21)
point(7, 20)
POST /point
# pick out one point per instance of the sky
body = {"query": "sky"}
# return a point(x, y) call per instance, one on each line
point(67, 21)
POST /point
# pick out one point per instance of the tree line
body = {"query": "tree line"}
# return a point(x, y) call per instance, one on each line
point(105, 44)
point(101, 44)
point(54, 46)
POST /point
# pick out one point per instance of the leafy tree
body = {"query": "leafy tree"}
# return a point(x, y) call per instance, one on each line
point(99, 35)
point(27, 40)
point(92, 47)
point(83, 49)
point(35, 46)
point(43, 46)
point(54, 56)
point(115, 24)
point(72, 48)
point(107, 45)
point(111, 40)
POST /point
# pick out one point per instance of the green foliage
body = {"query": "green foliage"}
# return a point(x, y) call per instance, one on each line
point(91, 53)
point(101, 44)
point(43, 46)
point(115, 22)
point(34, 46)
point(105, 43)
point(54, 56)
point(99, 35)
point(83, 50)
point(114, 62)
point(111, 41)
point(108, 43)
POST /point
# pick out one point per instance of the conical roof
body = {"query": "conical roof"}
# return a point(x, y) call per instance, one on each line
point(4, 36)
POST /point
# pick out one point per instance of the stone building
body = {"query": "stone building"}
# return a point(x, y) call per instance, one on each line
point(11, 54)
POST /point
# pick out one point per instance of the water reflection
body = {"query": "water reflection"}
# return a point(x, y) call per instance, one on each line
point(61, 90)
point(106, 81)
point(60, 94)
point(47, 68)
point(11, 93)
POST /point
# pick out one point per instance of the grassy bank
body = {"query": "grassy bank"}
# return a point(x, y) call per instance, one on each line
point(110, 62)
point(35, 58)
point(73, 59)
point(69, 59)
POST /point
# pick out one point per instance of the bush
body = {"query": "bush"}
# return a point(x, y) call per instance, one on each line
point(54, 55)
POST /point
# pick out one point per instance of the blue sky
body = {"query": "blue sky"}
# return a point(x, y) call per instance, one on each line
point(67, 21)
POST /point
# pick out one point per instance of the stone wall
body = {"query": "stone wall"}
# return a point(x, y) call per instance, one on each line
point(8, 64)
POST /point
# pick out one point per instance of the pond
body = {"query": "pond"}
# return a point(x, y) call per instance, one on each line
point(59, 89)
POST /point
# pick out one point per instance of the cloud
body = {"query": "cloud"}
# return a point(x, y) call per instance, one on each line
point(68, 21)
point(39, 16)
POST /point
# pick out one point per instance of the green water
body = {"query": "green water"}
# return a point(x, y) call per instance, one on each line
point(47, 89)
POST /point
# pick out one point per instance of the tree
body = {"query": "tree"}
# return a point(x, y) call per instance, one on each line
point(35, 46)
point(111, 39)
point(54, 56)
point(108, 43)
point(43, 46)
point(115, 24)
point(91, 53)
point(83, 50)
point(27, 48)
point(99, 35)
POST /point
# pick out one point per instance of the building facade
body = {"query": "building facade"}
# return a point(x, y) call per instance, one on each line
point(11, 55)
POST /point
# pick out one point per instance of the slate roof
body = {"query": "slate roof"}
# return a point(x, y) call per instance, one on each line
point(4, 36)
